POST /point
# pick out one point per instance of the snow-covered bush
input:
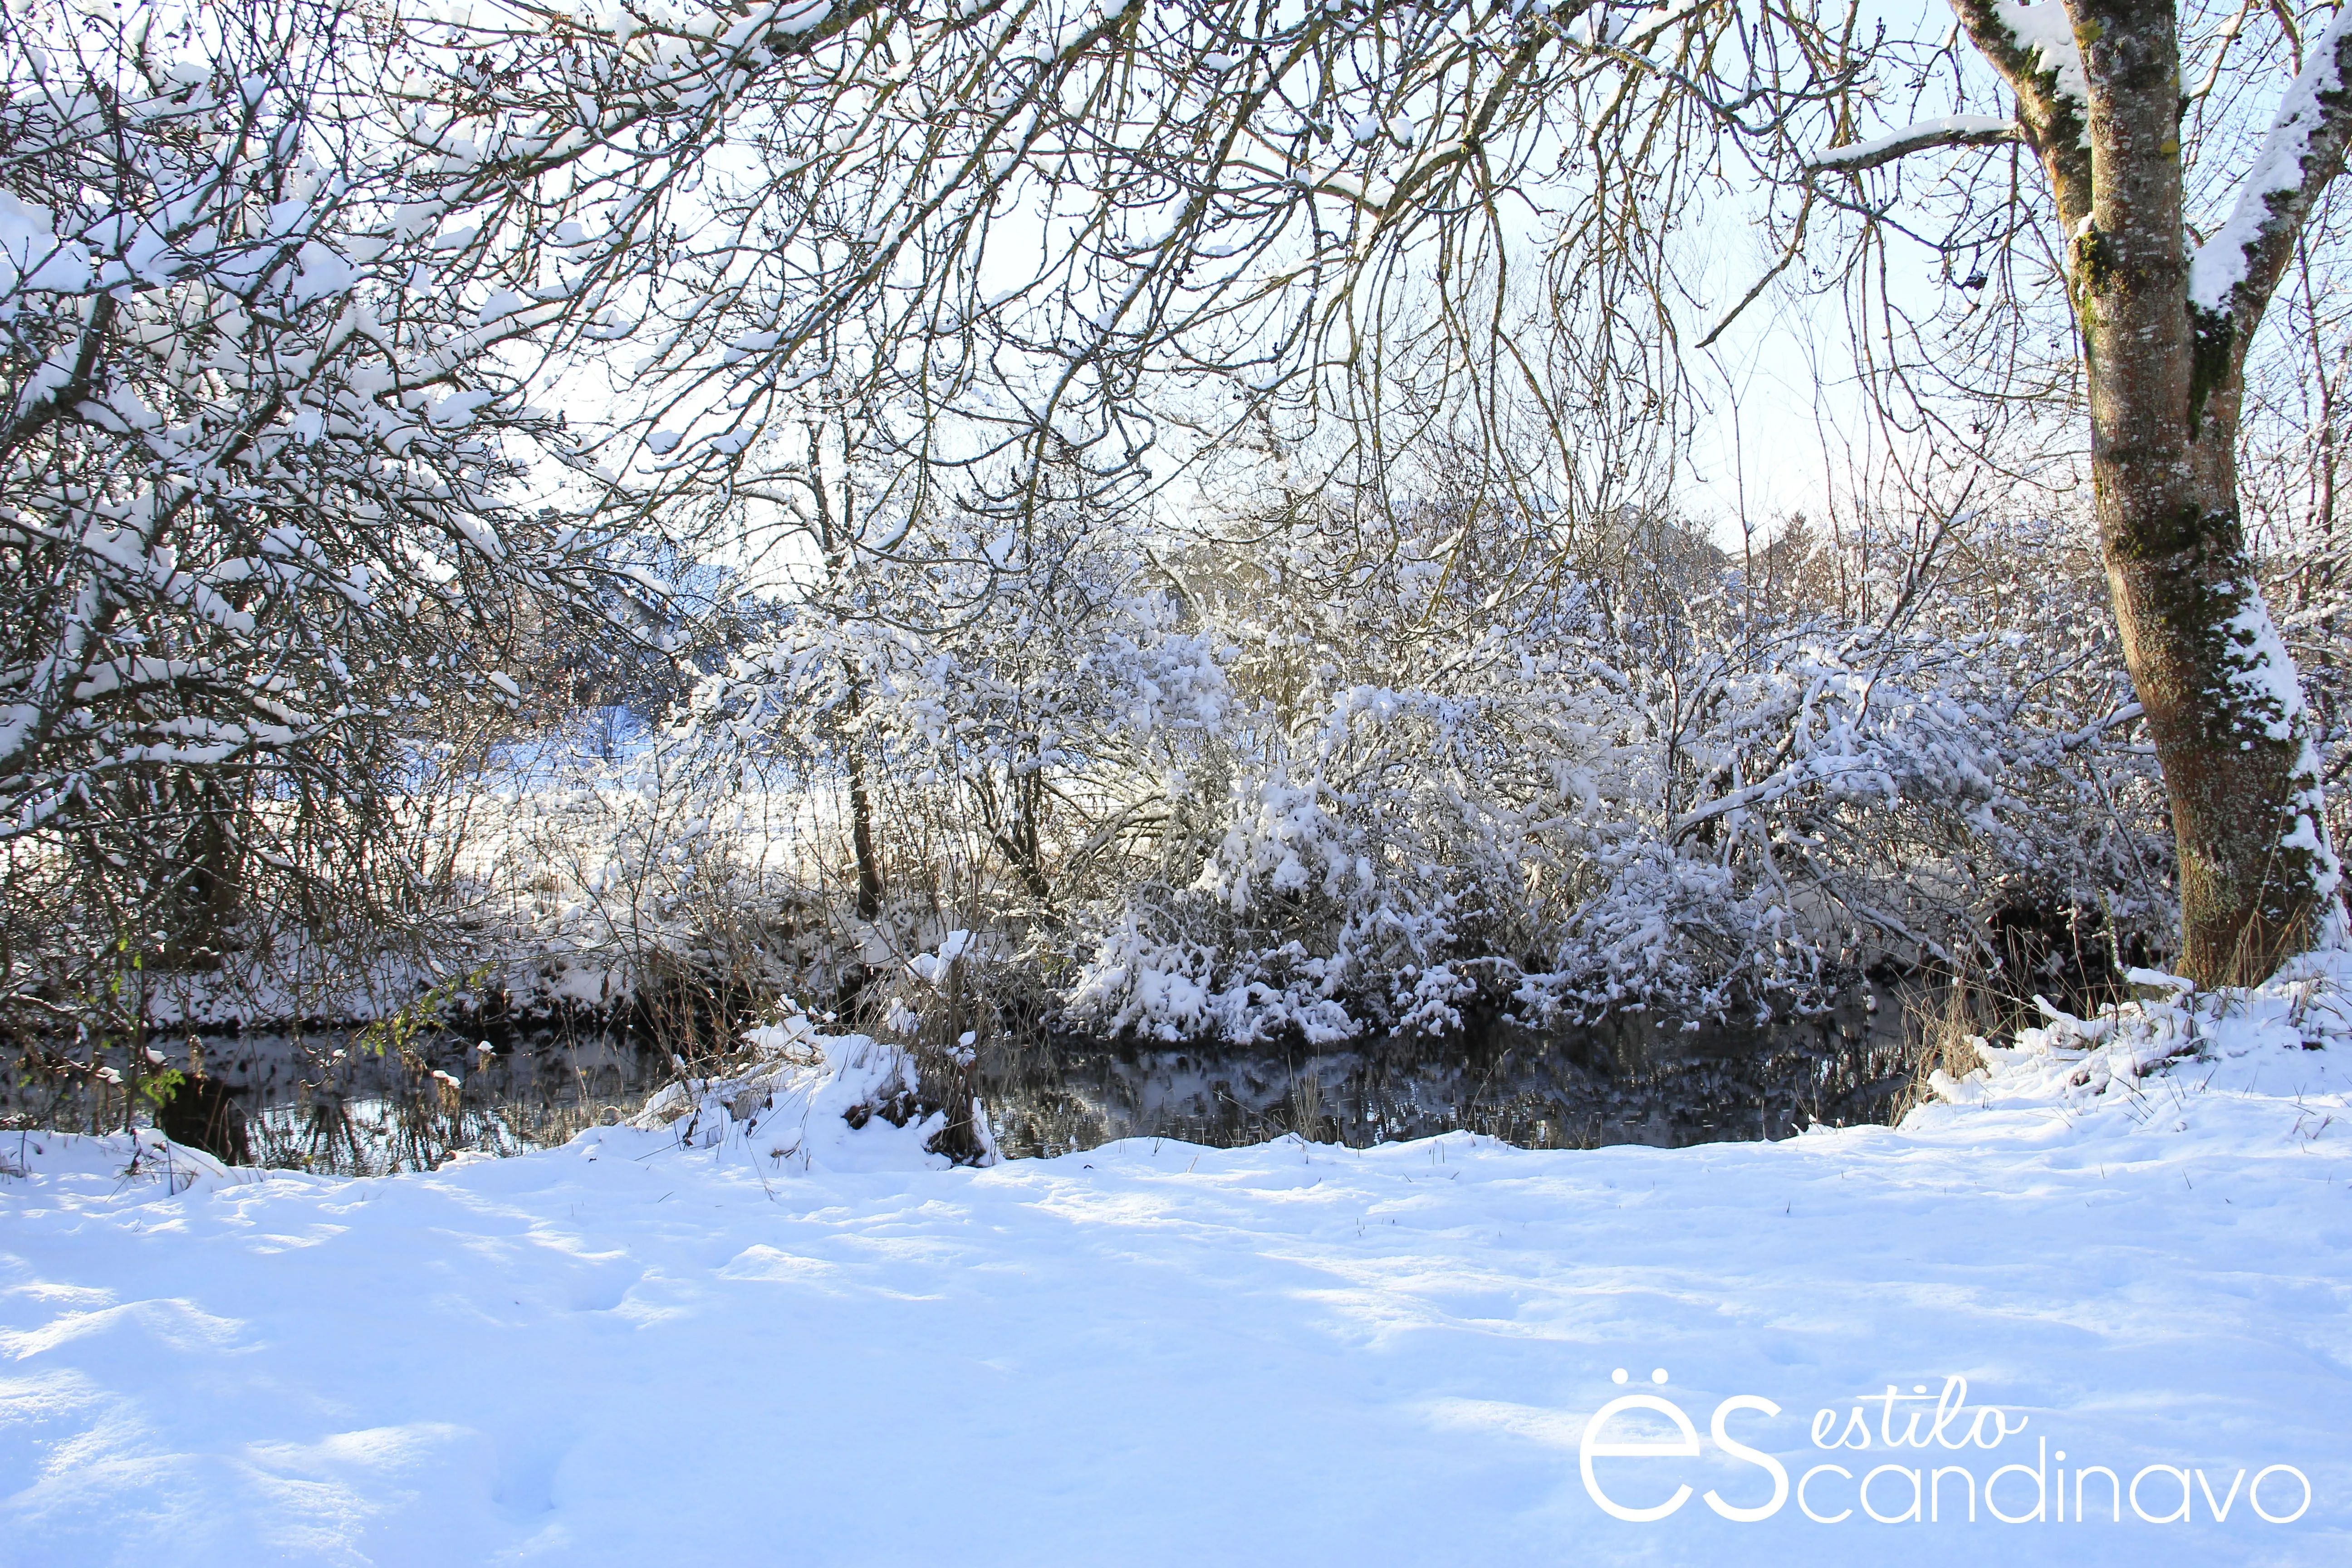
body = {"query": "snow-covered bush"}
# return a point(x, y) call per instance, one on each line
point(1418, 773)
point(1455, 786)
point(1012, 715)
point(808, 1100)
point(1148, 783)
point(260, 534)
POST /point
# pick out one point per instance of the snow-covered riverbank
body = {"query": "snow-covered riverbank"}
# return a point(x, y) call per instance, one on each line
point(629, 1350)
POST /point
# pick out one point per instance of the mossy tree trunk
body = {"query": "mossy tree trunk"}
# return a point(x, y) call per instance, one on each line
point(2164, 332)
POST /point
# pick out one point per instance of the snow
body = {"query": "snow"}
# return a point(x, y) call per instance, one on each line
point(810, 1103)
point(2261, 672)
point(2219, 264)
point(322, 272)
point(2046, 31)
point(653, 1339)
point(2259, 668)
point(501, 303)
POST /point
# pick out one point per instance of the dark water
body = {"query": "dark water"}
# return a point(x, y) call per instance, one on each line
point(1634, 1083)
point(318, 1102)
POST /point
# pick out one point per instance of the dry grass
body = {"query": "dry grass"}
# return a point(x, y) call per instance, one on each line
point(1942, 1028)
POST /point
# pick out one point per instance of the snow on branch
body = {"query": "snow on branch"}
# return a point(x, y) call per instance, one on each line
point(2046, 33)
point(2033, 49)
point(1949, 131)
point(2304, 151)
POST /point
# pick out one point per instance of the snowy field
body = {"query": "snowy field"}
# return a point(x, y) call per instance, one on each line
point(661, 1345)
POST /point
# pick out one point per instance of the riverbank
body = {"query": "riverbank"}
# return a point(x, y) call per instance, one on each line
point(2131, 1236)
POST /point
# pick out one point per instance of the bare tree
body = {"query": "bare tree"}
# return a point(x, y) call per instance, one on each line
point(1034, 228)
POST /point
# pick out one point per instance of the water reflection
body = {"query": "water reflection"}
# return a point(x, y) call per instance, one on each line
point(318, 1102)
point(321, 1102)
point(1630, 1083)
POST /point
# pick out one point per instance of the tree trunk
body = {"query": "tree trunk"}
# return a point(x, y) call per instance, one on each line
point(1028, 840)
point(2222, 697)
point(861, 818)
point(834, 542)
point(2238, 773)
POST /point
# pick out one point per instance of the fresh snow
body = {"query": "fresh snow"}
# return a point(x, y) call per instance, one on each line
point(743, 1331)
point(2261, 670)
point(32, 258)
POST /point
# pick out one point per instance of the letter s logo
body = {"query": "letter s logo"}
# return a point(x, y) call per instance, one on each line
point(1737, 1450)
point(1592, 1448)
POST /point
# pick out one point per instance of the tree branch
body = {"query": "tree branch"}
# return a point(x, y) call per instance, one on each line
point(2032, 47)
point(1795, 248)
point(2234, 274)
point(1951, 130)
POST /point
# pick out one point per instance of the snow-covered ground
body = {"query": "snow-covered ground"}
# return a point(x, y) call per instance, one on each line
point(764, 1338)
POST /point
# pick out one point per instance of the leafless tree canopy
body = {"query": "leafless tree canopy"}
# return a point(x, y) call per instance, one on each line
point(1044, 423)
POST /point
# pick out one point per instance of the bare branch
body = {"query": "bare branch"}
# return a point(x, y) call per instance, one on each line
point(1789, 255)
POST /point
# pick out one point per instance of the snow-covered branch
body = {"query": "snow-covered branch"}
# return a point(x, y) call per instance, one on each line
point(2032, 46)
point(263, 431)
point(1949, 131)
point(2233, 273)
